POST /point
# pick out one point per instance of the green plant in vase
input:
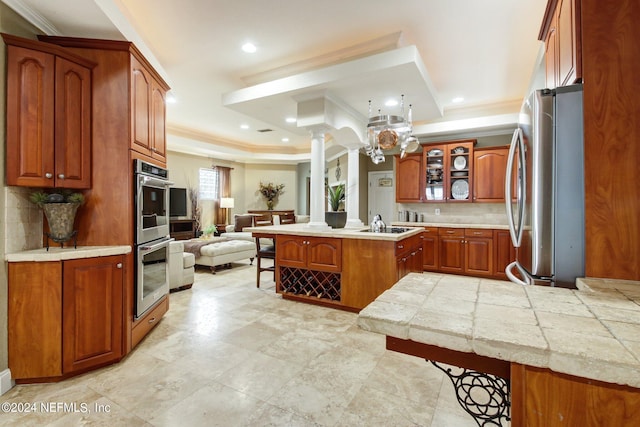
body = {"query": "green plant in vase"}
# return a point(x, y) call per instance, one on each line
point(336, 196)
point(336, 218)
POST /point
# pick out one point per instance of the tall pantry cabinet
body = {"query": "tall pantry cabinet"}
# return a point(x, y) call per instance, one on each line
point(128, 123)
point(596, 43)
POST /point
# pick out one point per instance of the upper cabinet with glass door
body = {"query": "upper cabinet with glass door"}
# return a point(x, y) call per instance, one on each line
point(434, 159)
point(449, 171)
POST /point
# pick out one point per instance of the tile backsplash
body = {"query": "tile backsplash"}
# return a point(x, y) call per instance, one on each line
point(458, 213)
point(23, 221)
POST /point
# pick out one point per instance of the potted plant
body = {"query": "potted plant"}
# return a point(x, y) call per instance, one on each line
point(336, 218)
point(210, 231)
point(60, 210)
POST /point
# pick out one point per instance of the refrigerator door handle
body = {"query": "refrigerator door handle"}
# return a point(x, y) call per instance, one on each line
point(511, 276)
point(516, 147)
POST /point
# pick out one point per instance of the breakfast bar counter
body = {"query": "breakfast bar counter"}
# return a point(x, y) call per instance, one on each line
point(557, 347)
point(303, 229)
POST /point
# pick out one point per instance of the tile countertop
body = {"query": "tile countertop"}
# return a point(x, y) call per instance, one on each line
point(303, 229)
point(592, 332)
point(55, 253)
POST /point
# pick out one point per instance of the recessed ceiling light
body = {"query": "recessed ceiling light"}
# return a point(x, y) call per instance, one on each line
point(249, 47)
point(244, 126)
point(285, 139)
point(391, 103)
point(291, 119)
point(457, 99)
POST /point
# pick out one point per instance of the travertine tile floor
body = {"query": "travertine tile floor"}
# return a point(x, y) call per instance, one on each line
point(228, 354)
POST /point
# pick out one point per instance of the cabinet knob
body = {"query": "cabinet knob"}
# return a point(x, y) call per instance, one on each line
point(48, 175)
point(61, 176)
point(119, 265)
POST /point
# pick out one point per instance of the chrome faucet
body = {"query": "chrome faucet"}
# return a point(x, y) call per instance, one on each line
point(377, 225)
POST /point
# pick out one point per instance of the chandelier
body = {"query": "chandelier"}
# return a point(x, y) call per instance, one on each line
point(386, 130)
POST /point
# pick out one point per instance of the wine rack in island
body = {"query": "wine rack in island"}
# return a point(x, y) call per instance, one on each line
point(309, 268)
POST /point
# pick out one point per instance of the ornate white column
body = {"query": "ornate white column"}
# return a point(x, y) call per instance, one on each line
point(317, 199)
point(353, 190)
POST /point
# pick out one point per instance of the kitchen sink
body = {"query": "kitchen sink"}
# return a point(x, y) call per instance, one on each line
point(389, 230)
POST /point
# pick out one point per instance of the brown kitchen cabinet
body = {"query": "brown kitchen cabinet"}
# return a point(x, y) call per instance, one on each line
point(65, 317)
point(148, 112)
point(409, 172)
point(478, 252)
point(92, 294)
point(466, 251)
point(313, 253)
point(503, 252)
point(490, 166)
point(451, 250)
point(449, 171)
point(409, 256)
point(430, 245)
point(560, 31)
point(48, 116)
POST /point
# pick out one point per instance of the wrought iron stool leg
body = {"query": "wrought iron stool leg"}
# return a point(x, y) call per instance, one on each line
point(485, 397)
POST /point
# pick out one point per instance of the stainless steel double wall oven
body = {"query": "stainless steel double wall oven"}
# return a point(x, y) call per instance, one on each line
point(152, 234)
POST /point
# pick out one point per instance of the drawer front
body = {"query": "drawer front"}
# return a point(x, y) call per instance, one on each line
point(433, 231)
point(451, 232)
point(478, 232)
point(149, 321)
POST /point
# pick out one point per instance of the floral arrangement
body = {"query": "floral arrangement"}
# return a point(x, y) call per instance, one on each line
point(271, 191)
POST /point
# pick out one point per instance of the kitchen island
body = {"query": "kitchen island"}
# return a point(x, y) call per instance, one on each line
point(340, 268)
point(556, 356)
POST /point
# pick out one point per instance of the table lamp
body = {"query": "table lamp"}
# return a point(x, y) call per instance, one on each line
point(226, 203)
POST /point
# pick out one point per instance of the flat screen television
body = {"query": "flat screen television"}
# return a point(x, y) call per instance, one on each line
point(177, 202)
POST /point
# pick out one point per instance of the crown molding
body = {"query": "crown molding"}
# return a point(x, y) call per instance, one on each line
point(33, 17)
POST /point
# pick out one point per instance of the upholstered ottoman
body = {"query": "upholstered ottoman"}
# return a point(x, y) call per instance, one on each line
point(181, 267)
point(226, 252)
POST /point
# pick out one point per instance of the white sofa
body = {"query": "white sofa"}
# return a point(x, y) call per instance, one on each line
point(181, 267)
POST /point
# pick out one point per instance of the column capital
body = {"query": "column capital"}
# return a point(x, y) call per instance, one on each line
point(318, 130)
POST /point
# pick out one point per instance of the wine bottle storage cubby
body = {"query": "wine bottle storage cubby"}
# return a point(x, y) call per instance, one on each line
point(318, 284)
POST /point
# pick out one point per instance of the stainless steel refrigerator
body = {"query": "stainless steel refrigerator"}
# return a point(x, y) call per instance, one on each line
point(545, 189)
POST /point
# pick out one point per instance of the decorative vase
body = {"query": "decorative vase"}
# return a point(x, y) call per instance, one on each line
point(60, 217)
point(336, 219)
point(270, 205)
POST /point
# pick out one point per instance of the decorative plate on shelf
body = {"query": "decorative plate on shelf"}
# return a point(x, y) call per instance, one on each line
point(434, 166)
point(460, 189)
point(460, 162)
point(434, 152)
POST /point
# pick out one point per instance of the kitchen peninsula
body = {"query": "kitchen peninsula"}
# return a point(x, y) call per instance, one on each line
point(572, 357)
point(341, 268)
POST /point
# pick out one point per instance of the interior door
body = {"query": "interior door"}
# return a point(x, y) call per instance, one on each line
point(381, 196)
